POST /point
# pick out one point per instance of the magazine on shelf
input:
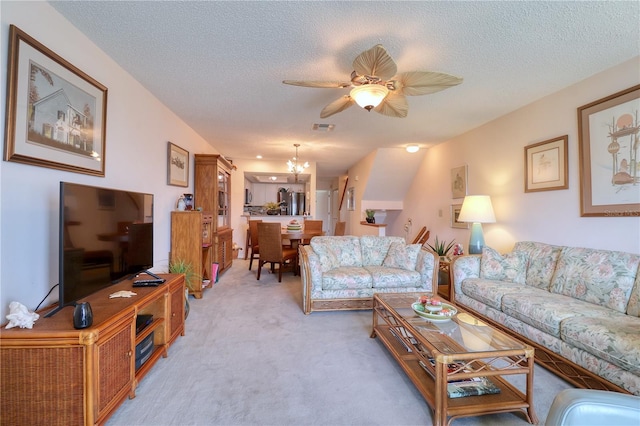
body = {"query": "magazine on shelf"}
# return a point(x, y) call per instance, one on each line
point(401, 340)
point(465, 387)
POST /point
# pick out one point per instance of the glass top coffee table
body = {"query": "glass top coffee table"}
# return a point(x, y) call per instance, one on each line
point(457, 363)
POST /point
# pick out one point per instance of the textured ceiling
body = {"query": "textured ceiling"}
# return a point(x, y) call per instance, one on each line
point(220, 65)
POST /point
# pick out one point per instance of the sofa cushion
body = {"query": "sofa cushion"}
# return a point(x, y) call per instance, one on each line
point(541, 262)
point(546, 311)
point(337, 251)
point(403, 256)
point(346, 277)
point(374, 248)
point(384, 277)
point(489, 292)
point(510, 267)
point(614, 337)
point(601, 277)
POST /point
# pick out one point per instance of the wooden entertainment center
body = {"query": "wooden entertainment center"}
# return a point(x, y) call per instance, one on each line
point(54, 374)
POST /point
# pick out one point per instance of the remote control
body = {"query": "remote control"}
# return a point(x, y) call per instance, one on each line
point(147, 283)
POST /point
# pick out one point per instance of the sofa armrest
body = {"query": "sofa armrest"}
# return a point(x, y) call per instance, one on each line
point(593, 407)
point(427, 265)
point(463, 267)
point(311, 272)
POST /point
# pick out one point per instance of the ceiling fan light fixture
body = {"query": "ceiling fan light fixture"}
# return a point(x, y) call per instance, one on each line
point(413, 148)
point(369, 96)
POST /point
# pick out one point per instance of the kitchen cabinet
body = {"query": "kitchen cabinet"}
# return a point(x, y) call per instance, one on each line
point(268, 192)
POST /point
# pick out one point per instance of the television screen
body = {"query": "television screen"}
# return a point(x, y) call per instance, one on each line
point(106, 235)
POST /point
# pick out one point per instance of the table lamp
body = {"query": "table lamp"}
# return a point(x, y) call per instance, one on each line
point(476, 209)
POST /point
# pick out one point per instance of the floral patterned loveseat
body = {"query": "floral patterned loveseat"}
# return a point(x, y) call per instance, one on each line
point(579, 307)
point(343, 272)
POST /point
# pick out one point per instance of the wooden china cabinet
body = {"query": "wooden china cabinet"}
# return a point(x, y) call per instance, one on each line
point(213, 193)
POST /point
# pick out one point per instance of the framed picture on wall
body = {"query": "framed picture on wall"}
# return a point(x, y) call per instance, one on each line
point(459, 182)
point(609, 166)
point(455, 212)
point(546, 165)
point(351, 201)
point(177, 166)
point(56, 114)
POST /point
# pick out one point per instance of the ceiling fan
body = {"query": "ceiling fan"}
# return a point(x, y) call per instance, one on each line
point(376, 86)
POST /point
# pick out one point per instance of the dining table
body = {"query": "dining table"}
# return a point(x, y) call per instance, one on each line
point(296, 237)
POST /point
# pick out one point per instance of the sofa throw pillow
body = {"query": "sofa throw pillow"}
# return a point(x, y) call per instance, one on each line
point(510, 267)
point(402, 256)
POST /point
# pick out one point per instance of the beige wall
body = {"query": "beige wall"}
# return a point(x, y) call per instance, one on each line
point(494, 154)
point(138, 129)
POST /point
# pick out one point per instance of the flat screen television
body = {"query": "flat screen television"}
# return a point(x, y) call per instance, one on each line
point(106, 235)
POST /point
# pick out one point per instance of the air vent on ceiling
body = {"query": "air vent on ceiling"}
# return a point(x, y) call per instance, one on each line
point(323, 127)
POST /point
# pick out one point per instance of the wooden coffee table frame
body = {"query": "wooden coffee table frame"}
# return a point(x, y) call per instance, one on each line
point(408, 346)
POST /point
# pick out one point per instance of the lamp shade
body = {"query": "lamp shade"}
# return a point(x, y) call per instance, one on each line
point(369, 96)
point(477, 209)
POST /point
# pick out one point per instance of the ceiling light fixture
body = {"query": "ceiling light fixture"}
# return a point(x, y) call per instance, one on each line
point(413, 148)
point(369, 96)
point(294, 167)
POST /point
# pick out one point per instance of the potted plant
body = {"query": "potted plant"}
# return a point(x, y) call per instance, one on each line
point(272, 208)
point(441, 248)
point(191, 279)
point(370, 215)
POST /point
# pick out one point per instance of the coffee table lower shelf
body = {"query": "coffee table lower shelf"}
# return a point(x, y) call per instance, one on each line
point(510, 399)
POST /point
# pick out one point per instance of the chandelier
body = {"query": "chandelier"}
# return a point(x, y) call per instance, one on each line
point(294, 167)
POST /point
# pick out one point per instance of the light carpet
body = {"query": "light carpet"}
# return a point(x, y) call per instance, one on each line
point(251, 357)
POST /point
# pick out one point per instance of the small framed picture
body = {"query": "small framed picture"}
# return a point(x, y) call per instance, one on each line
point(459, 182)
point(546, 165)
point(455, 212)
point(351, 202)
point(177, 166)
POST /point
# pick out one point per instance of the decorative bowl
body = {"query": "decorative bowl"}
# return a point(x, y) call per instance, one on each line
point(433, 308)
point(445, 314)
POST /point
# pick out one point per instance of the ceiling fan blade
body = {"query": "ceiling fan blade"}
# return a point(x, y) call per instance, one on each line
point(416, 83)
point(337, 106)
point(319, 84)
point(393, 105)
point(375, 62)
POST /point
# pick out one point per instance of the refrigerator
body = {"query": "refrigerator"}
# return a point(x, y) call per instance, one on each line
point(296, 203)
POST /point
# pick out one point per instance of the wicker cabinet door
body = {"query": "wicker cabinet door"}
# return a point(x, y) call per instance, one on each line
point(36, 390)
point(115, 368)
point(176, 311)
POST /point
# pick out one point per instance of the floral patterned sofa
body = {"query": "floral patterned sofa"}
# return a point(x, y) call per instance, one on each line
point(579, 307)
point(343, 272)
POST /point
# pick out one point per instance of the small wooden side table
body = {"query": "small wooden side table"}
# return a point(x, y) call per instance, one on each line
point(444, 279)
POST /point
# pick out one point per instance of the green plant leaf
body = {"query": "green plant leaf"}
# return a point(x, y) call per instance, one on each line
point(191, 278)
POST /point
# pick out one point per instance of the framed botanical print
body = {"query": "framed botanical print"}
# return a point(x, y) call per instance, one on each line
point(459, 182)
point(546, 165)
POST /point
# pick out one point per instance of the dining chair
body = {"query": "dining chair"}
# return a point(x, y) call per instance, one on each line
point(311, 226)
point(340, 228)
point(253, 240)
point(272, 251)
